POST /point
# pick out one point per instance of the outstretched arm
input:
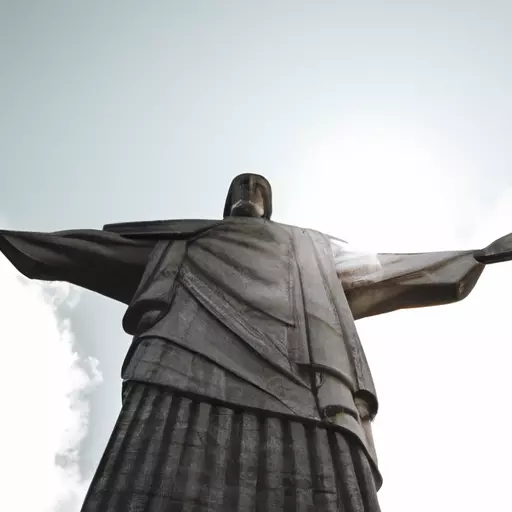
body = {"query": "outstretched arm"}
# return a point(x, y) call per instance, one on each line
point(381, 283)
point(103, 262)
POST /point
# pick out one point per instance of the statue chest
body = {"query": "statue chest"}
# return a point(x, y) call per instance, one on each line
point(249, 261)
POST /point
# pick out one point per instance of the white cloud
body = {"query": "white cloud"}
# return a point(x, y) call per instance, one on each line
point(43, 396)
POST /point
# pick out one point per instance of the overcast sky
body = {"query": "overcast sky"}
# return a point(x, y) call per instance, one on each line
point(388, 124)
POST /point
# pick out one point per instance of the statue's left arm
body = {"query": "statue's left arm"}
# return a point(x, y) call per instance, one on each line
point(381, 283)
point(106, 263)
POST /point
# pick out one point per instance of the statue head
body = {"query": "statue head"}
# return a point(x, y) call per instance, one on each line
point(249, 195)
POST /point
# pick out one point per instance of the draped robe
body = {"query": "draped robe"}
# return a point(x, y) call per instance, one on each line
point(270, 307)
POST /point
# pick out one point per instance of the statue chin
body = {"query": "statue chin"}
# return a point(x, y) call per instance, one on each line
point(246, 209)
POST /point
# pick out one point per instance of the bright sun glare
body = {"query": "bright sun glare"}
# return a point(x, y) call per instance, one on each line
point(388, 189)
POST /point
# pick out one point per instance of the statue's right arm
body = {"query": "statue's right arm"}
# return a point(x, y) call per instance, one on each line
point(104, 262)
point(381, 283)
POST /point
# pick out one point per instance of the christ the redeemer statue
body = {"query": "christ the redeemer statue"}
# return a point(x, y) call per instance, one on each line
point(246, 387)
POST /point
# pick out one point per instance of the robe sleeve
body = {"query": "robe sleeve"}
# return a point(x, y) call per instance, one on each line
point(381, 283)
point(103, 262)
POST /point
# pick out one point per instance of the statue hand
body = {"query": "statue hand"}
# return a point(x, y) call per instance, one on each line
point(500, 250)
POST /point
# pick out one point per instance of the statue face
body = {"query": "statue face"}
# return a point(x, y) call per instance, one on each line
point(249, 196)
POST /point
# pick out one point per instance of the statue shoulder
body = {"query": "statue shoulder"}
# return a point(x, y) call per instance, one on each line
point(174, 228)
